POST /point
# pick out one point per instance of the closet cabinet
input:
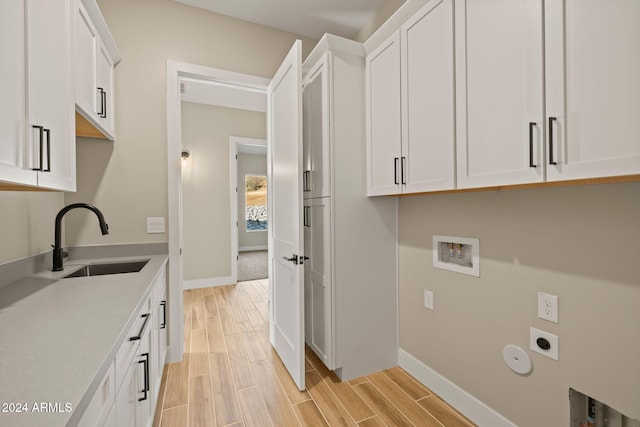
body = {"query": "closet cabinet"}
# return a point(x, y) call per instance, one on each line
point(94, 67)
point(592, 93)
point(410, 96)
point(349, 239)
point(37, 112)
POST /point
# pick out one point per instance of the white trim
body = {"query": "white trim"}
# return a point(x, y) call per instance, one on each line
point(254, 248)
point(464, 402)
point(176, 70)
point(233, 198)
point(209, 282)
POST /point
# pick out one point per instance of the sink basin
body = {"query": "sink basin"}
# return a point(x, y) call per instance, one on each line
point(109, 268)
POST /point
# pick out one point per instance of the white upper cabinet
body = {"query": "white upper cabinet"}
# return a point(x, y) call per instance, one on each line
point(593, 88)
point(15, 166)
point(410, 102)
point(428, 126)
point(95, 57)
point(315, 122)
point(36, 107)
point(499, 88)
point(383, 118)
point(50, 128)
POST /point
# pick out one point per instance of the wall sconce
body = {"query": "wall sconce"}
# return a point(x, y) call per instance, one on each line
point(185, 153)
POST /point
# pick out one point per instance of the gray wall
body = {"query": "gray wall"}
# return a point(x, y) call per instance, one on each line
point(575, 242)
point(206, 199)
point(249, 164)
point(27, 223)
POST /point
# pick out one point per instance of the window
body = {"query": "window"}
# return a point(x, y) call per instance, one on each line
point(256, 202)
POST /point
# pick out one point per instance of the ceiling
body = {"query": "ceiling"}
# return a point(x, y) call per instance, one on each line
point(310, 18)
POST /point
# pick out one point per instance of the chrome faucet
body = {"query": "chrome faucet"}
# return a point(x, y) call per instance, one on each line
point(57, 248)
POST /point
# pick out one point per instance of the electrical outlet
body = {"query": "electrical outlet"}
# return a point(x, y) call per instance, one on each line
point(428, 299)
point(155, 225)
point(548, 307)
point(544, 343)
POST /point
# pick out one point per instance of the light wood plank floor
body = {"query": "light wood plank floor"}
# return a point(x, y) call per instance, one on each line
point(230, 376)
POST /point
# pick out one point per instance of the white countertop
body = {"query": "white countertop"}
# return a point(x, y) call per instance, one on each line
point(58, 337)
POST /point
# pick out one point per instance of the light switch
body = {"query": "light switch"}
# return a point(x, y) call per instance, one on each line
point(155, 225)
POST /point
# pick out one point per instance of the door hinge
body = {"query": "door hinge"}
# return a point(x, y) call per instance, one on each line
point(236, 157)
point(180, 251)
point(237, 257)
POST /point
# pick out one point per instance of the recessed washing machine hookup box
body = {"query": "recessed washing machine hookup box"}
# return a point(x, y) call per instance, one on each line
point(459, 254)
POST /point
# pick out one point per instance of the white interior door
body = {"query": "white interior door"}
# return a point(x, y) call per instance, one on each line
point(285, 159)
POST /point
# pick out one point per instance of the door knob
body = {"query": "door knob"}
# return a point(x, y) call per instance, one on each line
point(293, 259)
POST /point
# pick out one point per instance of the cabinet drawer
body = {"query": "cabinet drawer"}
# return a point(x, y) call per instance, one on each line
point(100, 406)
point(127, 350)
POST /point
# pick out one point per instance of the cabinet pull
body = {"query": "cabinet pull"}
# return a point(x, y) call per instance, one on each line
point(104, 105)
point(306, 217)
point(48, 133)
point(145, 389)
point(144, 326)
point(532, 125)
point(402, 171)
point(551, 120)
point(41, 129)
point(163, 325)
point(395, 170)
point(305, 181)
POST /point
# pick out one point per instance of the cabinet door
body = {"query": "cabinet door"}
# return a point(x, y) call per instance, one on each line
point(428, 129)
point(50, 101)
point(499, 89)
point(86, 48)
point(159, 342)
point(593, 88)
point(318, 286)
point(144, 379)
point(127, 398)
point(315, 123)
point(104, 82)
point(383, 118)
point(15, 165)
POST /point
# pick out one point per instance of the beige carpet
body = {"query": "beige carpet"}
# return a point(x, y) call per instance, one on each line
point(252, 265)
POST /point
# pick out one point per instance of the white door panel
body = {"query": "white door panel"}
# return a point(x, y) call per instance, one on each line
point(285, 158)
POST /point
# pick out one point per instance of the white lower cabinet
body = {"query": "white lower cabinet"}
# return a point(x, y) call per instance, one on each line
point(128, 393)
point(132, 373)
point(100, 408)
point(127, 399)
point(158, 334)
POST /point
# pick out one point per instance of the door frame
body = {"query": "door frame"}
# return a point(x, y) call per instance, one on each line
point(234, 142)
point(175, 71)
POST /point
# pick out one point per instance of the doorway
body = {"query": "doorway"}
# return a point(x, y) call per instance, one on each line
point(248, 166)
point(228, 87)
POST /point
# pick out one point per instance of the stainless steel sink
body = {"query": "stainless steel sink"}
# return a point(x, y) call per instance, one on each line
point(109, 268)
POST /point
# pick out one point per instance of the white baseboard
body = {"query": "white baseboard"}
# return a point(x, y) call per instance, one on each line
point(209, 282)
point(464, 403)
point(253, 248)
